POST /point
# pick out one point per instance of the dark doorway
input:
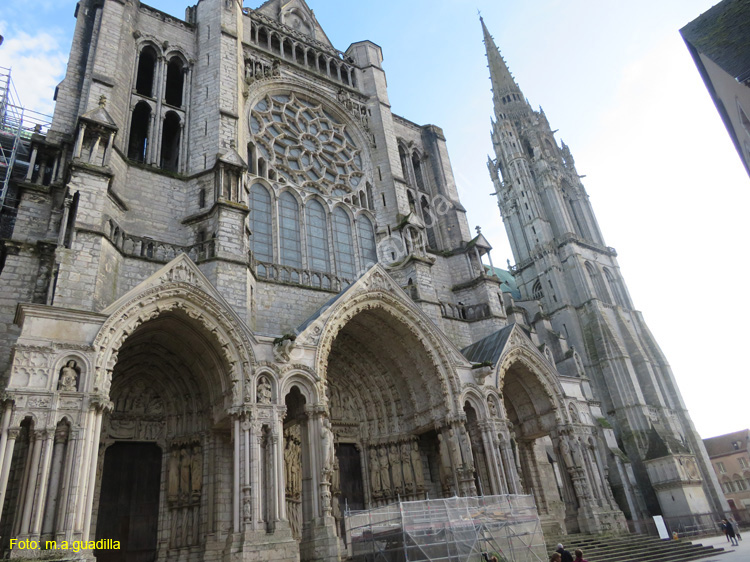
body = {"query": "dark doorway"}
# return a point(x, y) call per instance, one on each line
point(129, 503)
point(350, 476)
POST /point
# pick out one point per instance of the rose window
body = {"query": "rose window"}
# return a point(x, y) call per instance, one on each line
point(306, 144)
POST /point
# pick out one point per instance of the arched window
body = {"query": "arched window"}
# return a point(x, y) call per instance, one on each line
point(170, 142)
point(139, 131)
point(261, 238)
point(536, 291)
point(370, 200)
point(600, 291)
point(175, 77)
point(404, 164)
point(417, 165)
point(290, 249)
point(429, 221)
point(366, 235)
point(615, 288)
point(144, 81)
point(343, 247)
point(317, 237)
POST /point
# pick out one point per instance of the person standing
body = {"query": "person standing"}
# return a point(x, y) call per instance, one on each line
point(579, 555)
point(565, 556)
point(729, 530)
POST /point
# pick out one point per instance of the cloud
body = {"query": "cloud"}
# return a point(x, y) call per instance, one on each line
point(37, 65)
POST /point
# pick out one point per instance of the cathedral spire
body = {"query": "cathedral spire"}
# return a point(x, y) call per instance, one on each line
point(503, 83)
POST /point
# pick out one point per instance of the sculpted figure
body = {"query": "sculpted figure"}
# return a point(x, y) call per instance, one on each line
point(173, 489)
point(288, 460)
point(184, 472)
point(491, 407)
point(375, 474)
point(394, 457)
point(385, 477)
point(264, 391)
point(69, 377)
point(196, 469)
point(326, 439)
point(446, 468)
point(416, 463)
point(455, 450)
point(407, 468)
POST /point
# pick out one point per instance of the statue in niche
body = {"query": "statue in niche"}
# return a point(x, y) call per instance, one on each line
point(184, 473)
point(247, 510)
point(264, 391)
point(416, 463)
point(336, 478)
point(465, 444)
point(446, 470)
point(491, 407)
point(375, 474)
point(385, 477)
point(173, 489)
point(69, 377)
point(196, 470)
point(334, 403)
point(394, 457)
point(566, 453)
point(406, 465)
point(288, 461)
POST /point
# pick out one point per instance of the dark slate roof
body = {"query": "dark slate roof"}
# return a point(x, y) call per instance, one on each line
point(507, 281)
point(722, 35)
point(490, 348)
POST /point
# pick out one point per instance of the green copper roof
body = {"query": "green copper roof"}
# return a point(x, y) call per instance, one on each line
point(507, 281)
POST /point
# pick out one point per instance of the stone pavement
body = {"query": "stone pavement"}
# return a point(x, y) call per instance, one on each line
point(739, 553)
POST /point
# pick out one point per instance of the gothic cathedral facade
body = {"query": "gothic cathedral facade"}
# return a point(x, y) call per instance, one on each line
point(241, 296)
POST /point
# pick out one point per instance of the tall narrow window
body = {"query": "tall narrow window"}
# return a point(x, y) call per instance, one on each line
point(342, 244)
point(144, 82)
point(599, 289)
point(170, 142)
point(370, 201)
point(417, 165)
point(139, 131)
point(614, 287)
point(536, 290)
point(317, 237)
point(175, 76)
point(290, 249)
point(366, 236)
point(429, 221)
point(404, 164)
point(261, 238)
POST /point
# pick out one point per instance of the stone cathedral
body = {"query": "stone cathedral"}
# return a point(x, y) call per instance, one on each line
point(239, 296)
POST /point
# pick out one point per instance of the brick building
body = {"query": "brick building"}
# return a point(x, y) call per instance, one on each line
point(730, 458)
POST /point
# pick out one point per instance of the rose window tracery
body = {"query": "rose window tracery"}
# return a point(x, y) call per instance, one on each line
point(306, 144)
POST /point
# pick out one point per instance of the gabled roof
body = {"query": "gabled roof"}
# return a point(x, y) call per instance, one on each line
point(491, 348)
point(100, 115)
point(725, 444)
point(722, 35)
point(297, 15)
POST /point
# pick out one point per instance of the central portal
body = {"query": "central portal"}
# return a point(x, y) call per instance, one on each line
point(129, 503)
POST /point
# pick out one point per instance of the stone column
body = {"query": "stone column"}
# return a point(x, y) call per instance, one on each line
point(531, 471)
point(12, 435)
point(64, 524)
point(56, 473)
point(248, 508)
point(41, 485)
point(236, 473)
point(28, 504)
point(494, 464)
point(91, 480)
point(8, 410)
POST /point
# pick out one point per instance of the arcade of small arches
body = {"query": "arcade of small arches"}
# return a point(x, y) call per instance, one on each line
point(274, 447)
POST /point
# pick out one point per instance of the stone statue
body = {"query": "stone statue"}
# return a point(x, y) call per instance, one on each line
point(336, 478)
point(375, 474)
point(454, 448)
point(446, 467)
point(247, 510)
point(491, 407)
point(407, 468)
point(196, 469)
point(184, 472)
point(264, 391)
point(288, 461)
point(394, 457)
point(416, 463)
point(69, 377)
point(385, 477)
point(326, 439)
point(173, 489)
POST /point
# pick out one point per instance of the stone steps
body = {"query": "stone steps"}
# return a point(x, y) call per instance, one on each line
point(633, 548)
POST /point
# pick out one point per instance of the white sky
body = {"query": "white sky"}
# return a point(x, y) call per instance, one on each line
point(668, 188)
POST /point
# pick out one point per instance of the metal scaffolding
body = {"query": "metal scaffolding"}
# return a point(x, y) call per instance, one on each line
point(17, 125)
point(451, 530)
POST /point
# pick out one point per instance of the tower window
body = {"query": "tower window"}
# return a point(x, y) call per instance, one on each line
point(429, 221)
point(170, 142)
point(536, 290)
point(175, 77)
point(144, 83)
point(417, 171)
point(139, 132)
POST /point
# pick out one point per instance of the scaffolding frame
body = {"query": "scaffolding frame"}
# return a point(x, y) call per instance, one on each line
point(17, 125)
point(455, 529)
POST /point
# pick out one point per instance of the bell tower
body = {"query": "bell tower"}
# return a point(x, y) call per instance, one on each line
point(562, 261)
